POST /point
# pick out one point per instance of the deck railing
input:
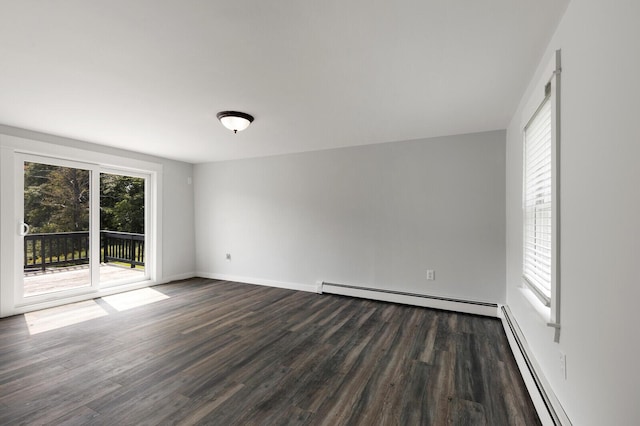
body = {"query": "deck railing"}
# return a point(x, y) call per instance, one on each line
point(123, 247)
point(42, 251)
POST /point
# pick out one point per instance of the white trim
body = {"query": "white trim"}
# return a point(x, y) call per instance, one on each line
point(151, 270)
point(469, 307)
point(259, 281)
point(555, 83)
point(49, 149)
point(179, 277)
point(540, 390)
point(7, 223)
point(154, 239)
point(16, 310)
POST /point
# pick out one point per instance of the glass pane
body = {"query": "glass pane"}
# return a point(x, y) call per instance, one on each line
point(56, 209)
point(122, 239)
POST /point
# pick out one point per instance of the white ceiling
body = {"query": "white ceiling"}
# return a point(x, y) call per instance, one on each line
point(150, 76)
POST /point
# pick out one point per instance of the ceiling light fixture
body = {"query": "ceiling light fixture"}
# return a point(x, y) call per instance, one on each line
point(234, 120)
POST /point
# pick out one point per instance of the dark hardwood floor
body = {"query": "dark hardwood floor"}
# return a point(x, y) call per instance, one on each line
point(223, 353)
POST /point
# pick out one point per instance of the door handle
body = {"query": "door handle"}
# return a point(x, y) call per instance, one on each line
point(24, 229)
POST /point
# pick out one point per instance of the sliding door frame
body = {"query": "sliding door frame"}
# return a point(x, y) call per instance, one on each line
point(149, 258)
point(99, 158)
point(94, 228)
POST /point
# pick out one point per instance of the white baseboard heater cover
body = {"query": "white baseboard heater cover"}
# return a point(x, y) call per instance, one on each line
point(427, 301)
point(541, 393)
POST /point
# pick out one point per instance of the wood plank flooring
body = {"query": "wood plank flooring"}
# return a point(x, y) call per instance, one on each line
point(223, 353)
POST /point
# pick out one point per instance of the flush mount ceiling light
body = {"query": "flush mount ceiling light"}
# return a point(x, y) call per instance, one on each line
point(234, 120)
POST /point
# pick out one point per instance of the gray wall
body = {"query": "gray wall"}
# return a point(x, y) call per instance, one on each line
point(377, 216)
point(600, 224)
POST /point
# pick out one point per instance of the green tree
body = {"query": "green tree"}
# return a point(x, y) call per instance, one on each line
point(56, 198)
point(121, 203)
point(36, 214)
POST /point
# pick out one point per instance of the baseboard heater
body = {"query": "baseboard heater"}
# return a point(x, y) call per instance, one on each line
point(427, 301)
point(556, 414)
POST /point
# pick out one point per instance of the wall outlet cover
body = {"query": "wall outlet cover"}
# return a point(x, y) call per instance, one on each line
point(563, 365)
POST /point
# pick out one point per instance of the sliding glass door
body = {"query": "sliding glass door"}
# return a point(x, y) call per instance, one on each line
point(56, 226)
point(82, 227)
point(122, 227)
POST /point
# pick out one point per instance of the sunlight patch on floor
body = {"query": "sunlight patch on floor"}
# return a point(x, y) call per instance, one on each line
point(62, 316)
point(135, 298)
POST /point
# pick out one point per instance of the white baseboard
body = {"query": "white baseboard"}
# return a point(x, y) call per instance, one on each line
point(426, 301)
point(178, 277)
point(259, 281)
point(544, 399)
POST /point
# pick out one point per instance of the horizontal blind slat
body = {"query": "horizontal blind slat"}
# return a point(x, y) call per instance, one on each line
point(537, 200)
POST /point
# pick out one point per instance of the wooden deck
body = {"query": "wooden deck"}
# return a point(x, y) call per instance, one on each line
point(74, 277)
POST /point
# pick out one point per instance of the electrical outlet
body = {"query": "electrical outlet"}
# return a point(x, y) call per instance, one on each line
point(228, 256)
point(431, 274)
point(563, 365)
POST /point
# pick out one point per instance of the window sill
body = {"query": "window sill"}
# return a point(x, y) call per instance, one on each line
point(543, 311)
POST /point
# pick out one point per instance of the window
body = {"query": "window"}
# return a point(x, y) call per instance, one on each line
point(538, 193)
point(541, 197)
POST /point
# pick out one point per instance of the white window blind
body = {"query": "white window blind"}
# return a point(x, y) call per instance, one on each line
point(537, 202)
